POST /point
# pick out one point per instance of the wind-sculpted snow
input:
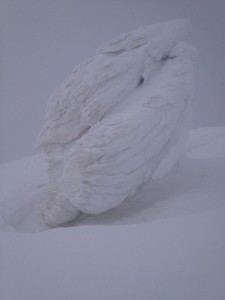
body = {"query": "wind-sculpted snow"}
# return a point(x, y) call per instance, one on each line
point(120, 119)
point(196, 186)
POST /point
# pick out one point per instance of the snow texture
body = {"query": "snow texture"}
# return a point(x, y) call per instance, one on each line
point(213, 137)
point(197, 185)
point(120, 119)
point(174, 247)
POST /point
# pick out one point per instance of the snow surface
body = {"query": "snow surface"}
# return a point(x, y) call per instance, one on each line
point(121, 118)
point(213, 137)
point(173, 247)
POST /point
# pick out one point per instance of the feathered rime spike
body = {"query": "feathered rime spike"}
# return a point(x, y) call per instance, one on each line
point(103, 136)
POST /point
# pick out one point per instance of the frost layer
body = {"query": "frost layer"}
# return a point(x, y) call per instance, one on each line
point(120, 119)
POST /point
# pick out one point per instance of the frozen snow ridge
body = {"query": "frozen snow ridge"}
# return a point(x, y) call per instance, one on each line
point(119, 120)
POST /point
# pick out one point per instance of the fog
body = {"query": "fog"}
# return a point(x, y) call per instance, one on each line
point(42, 41)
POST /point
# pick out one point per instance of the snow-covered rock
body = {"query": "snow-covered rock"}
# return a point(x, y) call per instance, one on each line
point(120, 119)
point(196, 186)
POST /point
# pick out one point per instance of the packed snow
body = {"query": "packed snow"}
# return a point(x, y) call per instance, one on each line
point(173, 247)
point(23, 188)
point(120, 119)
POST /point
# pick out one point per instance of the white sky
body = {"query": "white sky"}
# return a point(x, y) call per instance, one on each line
point(42, 41)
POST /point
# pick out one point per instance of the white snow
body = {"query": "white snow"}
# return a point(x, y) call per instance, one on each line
point(181, 258)
point(107, 132)
point(173, 247)
point(23, 188)
point(166, 241)
point(213, 136)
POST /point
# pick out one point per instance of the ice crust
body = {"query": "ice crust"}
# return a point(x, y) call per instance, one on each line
point(120, 119)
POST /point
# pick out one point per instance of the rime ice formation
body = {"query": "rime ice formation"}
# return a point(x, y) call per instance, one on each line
point(119, 120)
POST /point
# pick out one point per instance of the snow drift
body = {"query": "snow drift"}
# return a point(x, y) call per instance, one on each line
point(173, 247)
point(120, 119)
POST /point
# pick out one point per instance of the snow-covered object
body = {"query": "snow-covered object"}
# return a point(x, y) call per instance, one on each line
point(120, 119)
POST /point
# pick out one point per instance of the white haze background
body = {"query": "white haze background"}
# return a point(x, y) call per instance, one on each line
point(168, 242)
point(42, 41)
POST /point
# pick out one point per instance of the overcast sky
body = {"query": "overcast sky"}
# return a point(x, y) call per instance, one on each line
point(42, 41)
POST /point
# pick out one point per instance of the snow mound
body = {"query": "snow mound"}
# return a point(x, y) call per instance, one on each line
point(195, 186)
point(177, 250)
point(120, 119)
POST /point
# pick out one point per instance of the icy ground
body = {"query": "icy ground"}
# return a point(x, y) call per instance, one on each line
point(173, 247)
